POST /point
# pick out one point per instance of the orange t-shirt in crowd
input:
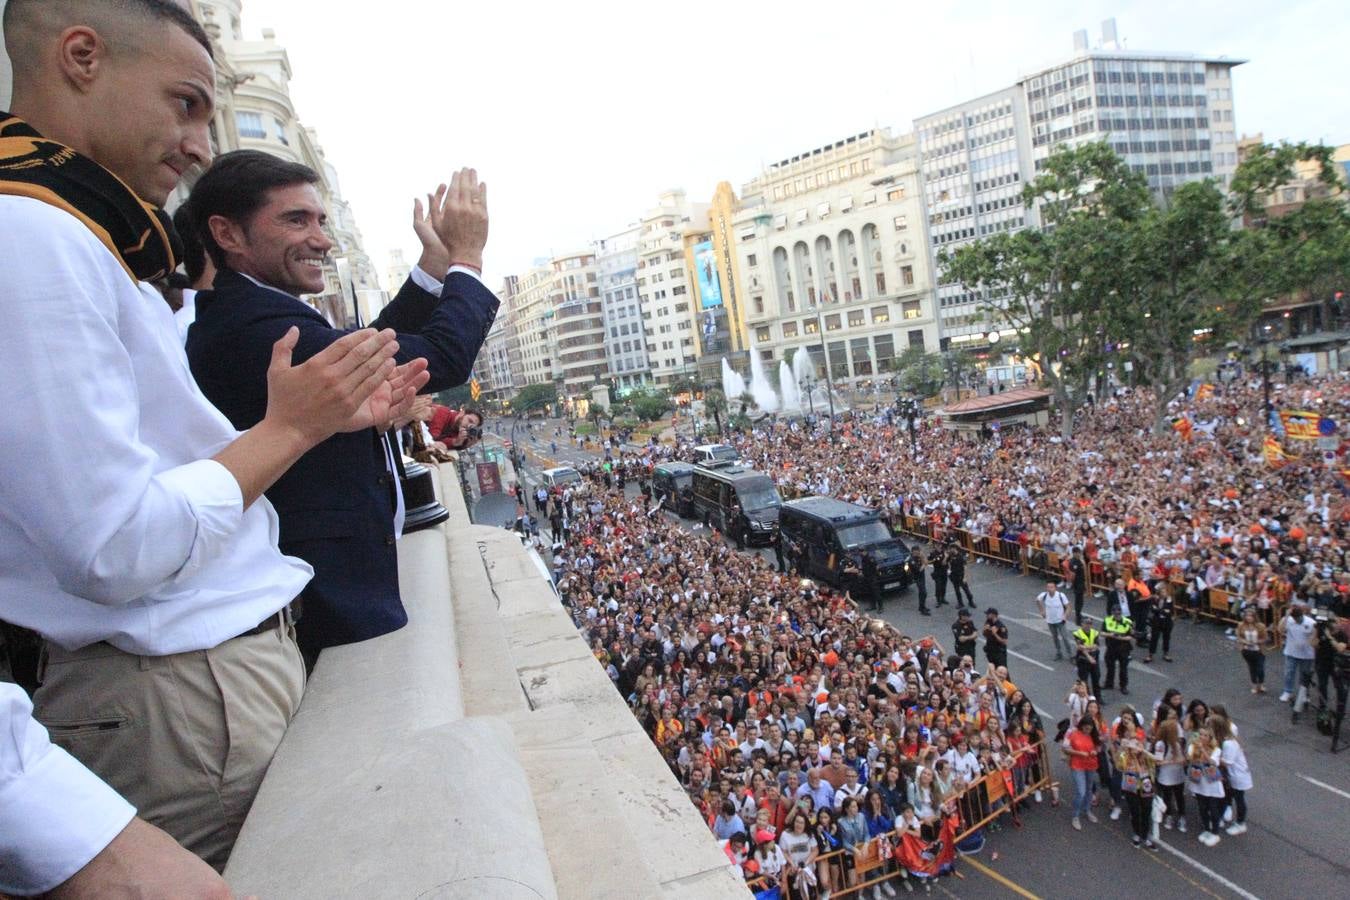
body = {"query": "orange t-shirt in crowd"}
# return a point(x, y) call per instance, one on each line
point(1080, 741)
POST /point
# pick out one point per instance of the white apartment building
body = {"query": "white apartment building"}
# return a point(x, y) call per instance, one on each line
point(559, 323)
point(664, 287)
point(831, 253)
point(616, 258)
point(492, 368)
point(1169, 115)
point(396, 272)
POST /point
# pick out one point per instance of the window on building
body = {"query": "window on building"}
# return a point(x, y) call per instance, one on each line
point(281, 131)
point(911, 309)
point(897, 193)
point(881, 282)
point(862, 357)
point(832, 322)
point(881, 314)
point(759, 304)
point(789, 329)
point(907, 275)
point(751, 261)
point(916, 338)
point(810, 326)
point(856, 318)
point(762, 334)
point(250, 124)
point(901, 222)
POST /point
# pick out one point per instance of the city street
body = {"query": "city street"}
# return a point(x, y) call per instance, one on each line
point(1298, 809)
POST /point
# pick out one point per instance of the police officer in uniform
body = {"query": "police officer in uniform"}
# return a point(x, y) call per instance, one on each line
point(995, 637)
point(1086, 649)
point(871, 580)
point(1119, 639)
point(916, 566)
point(1164, 612)
point(964, 634)
point(940, 576)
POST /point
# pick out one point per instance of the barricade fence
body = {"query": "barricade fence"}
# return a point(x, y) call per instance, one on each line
point(995, 794)
point(1213, 604)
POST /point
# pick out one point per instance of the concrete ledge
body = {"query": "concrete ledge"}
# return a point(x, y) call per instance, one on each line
point(382, 788)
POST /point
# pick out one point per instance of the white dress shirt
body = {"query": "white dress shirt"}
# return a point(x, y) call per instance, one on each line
point(55, 815)
point(115, 524)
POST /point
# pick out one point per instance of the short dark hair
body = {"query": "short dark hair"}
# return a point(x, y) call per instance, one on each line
point(16, 11)
point(236, 187)
point(194, 254)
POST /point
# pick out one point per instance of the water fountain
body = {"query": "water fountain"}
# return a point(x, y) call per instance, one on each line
point(766, 398)
point(787, 384)
point(733, 385)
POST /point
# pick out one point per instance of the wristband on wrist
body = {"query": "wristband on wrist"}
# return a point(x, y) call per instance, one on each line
point(477, 270)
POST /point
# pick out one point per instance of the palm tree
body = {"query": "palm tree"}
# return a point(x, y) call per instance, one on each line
point(715, 402)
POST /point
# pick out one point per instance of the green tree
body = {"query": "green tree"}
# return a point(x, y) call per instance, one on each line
point(918, 372)
point(715, 405)
point(1192, 283)
point(1310, 243)
point(533, 396)
point(648, 404)
point(1052, 284)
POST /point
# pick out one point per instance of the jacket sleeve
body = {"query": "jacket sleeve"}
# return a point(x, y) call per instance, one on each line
point(410, 310)
point(453, 335)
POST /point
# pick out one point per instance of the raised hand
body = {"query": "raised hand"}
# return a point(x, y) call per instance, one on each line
point(345, 383)
point(463, 227)
point(435, 259)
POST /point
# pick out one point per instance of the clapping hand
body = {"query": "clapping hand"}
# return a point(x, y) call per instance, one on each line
point(435, 259)
point(461, 222)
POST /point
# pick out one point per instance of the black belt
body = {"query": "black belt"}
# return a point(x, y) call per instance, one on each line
point(282, 618)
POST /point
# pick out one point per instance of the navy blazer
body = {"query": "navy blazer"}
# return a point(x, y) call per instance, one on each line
point(336, 504)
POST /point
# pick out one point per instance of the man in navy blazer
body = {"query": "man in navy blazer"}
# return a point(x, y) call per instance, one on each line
point(261, 220)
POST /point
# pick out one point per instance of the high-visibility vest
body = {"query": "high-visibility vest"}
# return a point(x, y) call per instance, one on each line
point(1118, 625)
point(1087, 635)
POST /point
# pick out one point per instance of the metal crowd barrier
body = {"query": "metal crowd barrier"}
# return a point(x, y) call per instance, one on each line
point(979, 804)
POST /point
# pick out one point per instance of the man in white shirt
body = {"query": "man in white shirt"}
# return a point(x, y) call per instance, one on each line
point(150, 568)
point(1054, 607)
point(1300, 647)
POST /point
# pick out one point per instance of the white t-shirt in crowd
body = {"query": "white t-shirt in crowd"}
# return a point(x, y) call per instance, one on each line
point(1056, 606)
point(1298, 637)
point(1235, 761)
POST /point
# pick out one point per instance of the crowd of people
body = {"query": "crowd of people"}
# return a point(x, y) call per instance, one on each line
point(799, 725)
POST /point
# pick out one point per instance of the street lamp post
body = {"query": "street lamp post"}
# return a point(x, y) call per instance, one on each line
point(1262, 342)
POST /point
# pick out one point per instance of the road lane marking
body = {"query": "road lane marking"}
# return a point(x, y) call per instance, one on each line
point(1034, 662)
point(1325, 786)
point(1206, 870)
point(1006, 882)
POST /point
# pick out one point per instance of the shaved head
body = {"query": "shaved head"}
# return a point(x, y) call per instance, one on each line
point(128, 83)
point(32, 24)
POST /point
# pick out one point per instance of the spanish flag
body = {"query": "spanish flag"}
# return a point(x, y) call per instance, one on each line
point(1204, 392)
point(1274, 453)
point(1182, 426)
point(474, 390)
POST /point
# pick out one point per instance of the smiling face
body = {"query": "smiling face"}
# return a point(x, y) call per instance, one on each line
point(282, 244)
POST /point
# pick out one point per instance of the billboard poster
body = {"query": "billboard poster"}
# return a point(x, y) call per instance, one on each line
point(709, 285)
point(489, 479)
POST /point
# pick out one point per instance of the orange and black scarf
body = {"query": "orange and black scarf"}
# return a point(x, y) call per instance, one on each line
point(139, 234)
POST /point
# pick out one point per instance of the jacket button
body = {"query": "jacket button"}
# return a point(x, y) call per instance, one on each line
point(389, 540)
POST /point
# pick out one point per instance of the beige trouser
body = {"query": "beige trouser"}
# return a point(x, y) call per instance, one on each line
point(186, 738)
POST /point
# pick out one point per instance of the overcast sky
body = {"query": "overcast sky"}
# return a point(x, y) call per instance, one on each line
point(579, 114)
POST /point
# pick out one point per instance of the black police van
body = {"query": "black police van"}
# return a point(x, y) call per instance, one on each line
point(825, 530)
point(741, 502)
point(673, 485)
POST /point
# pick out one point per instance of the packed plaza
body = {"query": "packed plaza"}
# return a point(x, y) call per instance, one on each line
point(827, 750)
point(261, 630)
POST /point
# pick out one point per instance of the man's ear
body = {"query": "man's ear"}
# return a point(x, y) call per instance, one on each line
point(228, 234)
point(82, 54)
